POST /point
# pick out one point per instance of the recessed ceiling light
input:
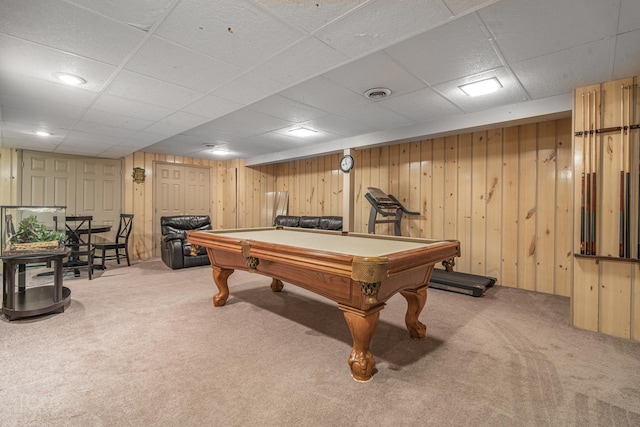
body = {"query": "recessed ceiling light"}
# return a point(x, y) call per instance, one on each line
point(43, 133)
point(302, 132)
point(220, 151)
point(481, 87)
point(69, 79)
point(377, 93)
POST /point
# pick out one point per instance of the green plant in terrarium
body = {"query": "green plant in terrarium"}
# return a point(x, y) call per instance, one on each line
point(31, 230)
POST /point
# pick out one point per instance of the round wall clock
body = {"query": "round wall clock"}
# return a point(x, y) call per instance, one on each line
point(346, 163)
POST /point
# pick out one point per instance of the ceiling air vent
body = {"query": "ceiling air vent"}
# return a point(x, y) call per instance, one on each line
point(377, 93)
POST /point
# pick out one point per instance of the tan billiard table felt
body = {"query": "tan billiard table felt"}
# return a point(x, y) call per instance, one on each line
point(337, 243)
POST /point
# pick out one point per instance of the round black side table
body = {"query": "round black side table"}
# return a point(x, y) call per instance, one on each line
point(37, 300)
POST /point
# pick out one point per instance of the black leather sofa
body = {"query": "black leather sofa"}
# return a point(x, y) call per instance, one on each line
point(318, 222)
point(176, 251)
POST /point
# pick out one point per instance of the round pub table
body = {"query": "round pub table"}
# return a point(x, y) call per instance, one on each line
point(36, 300)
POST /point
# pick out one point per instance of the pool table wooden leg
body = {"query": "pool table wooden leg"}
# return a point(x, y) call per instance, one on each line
point(220, 276)
point(416, 299)
point(276, 285)
point(362, 326)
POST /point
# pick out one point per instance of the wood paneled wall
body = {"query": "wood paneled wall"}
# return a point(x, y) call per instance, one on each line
point(606, 288)
point(138, 198)
point(504, 193)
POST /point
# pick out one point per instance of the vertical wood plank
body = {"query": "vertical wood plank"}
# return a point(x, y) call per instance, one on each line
point(564, 211)
point(394, 180)
point(336, 186)
point(546, 231)
point(363, 180)
point(426, 194)
point(413, 201)
point(635, 304)
point(615, 295)
point(403, 193)
point(479, 204)
point(383, 182)
point(585, 299)
point(464, 196)
point(527, 209)
point(451, 189)
point(494, 204)
point(437, 189)
point(511, 203)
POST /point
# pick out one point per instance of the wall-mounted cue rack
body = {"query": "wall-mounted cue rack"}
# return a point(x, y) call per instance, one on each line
point(607, 165)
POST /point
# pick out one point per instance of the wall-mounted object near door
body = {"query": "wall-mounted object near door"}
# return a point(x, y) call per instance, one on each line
point(138, 175)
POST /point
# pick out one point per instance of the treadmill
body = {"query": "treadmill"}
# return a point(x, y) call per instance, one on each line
point(386, 205)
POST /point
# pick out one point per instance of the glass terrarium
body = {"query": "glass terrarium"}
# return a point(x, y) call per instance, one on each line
point(32, 229)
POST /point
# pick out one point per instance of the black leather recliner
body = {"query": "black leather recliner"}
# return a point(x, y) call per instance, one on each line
point(175, 249)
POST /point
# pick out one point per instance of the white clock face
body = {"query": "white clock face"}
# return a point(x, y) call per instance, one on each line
point(346, 163)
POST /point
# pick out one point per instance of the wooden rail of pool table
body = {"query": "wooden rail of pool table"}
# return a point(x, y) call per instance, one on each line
point(360, 285)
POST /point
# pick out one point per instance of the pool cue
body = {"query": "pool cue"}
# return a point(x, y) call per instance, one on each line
point(622, 176)
point(627, 164)
point(587, 203)
point(593, 157)
point(582, 192)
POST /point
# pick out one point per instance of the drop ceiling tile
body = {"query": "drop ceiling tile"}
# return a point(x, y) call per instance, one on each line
point(379, 23)
point(462, 6)
point(247, 148)
point(152, 91)
point(321, 136)
point(64, 26)
point(448, 52)
point(248, 88)
point(580, 66)
point(47, 91)
point(279, 139)
point(338, 126)
point(629, 13)
point(43, 110)
point(310, 15)
point(116, 120)
point(627, 55)
point(144, 137)
point(167, 61)
point(184, 119)
point(92, 150)
point(375, 116)
point(287, 109)
point(323, 94)
point(421, 105)
point(527, 29)
point(176, 123)
point(373, 71)
point(88, 139)
point(129, 107)
point(511, 92)
point(259, 122)
point(20, 141)
point(165, 129)
point(16, 131)
point(212, 107)
point(141, 14)
point(32, 60)
point(100, 129)
point(32, 118)
point(117, 152)
point(238, 33)
point(308, 57)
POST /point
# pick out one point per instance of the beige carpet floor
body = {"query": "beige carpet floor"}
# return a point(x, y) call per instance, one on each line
point(144, 346)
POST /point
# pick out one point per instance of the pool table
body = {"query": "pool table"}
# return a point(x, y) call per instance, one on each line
point(360, 272)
